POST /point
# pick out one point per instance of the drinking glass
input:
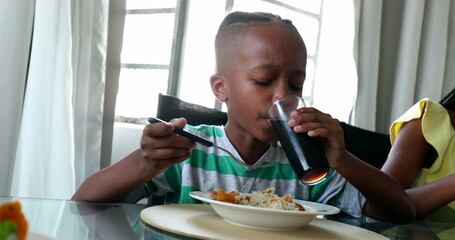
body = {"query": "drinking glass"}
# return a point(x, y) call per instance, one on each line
point(304, 152)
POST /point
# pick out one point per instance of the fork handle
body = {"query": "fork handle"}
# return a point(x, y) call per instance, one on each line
point(182, 132)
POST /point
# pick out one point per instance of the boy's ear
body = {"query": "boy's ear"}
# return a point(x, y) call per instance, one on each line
point(218, 82)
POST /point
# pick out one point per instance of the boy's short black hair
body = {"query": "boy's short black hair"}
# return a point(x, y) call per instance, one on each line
point(449, 100)
point(234, 26)
point(237, 22)
point(255, 17)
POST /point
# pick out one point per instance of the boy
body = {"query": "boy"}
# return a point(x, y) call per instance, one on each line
point(260, 58)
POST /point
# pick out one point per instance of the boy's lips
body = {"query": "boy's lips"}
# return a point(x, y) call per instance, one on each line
point(268, 122)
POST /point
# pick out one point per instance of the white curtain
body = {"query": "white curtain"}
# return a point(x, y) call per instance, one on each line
point(14, 53)
point(405, 52)
point(54, 111)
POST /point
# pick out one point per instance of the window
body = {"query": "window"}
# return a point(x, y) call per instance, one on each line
point(147, 49)
point(168, 48)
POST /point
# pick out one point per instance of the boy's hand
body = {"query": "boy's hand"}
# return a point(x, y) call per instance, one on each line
point(319, 124)
point(162, 148)
point(386, 199)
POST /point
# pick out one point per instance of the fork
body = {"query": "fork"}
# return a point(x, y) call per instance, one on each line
point(205, 142)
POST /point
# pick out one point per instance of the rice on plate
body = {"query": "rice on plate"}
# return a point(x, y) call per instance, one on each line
point(263, 199)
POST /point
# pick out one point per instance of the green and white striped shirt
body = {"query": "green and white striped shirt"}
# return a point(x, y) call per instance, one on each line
point(211, 169)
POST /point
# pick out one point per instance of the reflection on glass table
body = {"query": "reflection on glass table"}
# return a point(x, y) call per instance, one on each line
point(424, 230)
point(64, 219)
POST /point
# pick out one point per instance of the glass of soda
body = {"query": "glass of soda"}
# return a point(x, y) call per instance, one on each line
point(303, 152)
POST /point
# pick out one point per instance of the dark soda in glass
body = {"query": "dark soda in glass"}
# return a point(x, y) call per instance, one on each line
point(304, 153)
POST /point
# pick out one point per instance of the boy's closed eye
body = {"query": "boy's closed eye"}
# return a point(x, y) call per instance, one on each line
point(296, 81)
point(263, 74)
point(298, 88)
point(295, 87)
point(262, 82)
point(267, 75)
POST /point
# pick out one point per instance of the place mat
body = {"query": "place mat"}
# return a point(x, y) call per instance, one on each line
point(201, 221)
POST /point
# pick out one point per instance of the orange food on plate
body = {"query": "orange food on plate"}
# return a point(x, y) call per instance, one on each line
point(11, 212)
point(224, 196)
point(264, 199)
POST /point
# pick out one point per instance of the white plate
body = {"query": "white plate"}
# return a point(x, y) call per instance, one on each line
point(266, 218)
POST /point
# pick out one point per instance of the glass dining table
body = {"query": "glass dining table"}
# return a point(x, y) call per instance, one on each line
point(65, 219)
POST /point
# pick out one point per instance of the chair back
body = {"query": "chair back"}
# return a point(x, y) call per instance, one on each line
point(371, 147)
point(170, 107)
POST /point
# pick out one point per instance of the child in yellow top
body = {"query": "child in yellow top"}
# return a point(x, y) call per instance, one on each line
point(422, 158)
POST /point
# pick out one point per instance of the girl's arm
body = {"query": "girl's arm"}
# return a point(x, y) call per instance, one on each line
point(410, 153)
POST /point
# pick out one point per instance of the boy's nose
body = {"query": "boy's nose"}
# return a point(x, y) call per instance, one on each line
point(281, 92)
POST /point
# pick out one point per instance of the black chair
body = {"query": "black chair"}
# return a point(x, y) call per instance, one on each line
point(170, 107)
point(371, 147)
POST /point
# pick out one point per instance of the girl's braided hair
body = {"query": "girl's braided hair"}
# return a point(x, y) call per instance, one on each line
point(449, 100)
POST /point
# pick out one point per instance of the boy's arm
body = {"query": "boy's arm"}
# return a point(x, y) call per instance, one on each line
point(386, 199)
point(113, 183)
point(160, 149)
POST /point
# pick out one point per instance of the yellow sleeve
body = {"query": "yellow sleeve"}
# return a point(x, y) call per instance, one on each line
point(413, 113)
point(439, 133)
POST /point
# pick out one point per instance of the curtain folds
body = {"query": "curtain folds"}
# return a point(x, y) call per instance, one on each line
point(59, 136)
point(90, 31)
point(14, 55)
point(46, 136)
point(405, 52)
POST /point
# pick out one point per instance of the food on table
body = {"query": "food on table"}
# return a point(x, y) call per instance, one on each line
point(263, 199)
point(12, 221)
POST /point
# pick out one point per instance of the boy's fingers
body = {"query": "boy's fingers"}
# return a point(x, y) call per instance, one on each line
point(158, 129)
point(163, 129)
point(178, 122)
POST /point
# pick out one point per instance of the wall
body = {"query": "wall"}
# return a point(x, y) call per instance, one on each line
point(126, 139)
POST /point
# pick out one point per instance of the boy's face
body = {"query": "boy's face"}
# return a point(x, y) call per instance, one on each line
point(270, 65)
